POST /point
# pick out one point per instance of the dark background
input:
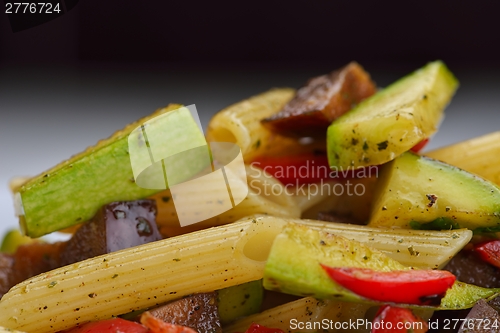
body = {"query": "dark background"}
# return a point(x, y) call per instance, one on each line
point(76, 79)
point(465, 33)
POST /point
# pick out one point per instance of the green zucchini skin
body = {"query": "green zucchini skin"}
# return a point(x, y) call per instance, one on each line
point(393, 120)
point(73, 191)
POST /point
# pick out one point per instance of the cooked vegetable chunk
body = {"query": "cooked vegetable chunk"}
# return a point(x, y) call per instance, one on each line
point(322, 100)
point(419, 192)
point(421, 287)
point(73, 191)
point(198, 311)
point(6, 264)
point(481, 318)
point(489, 251)
point(389, 318)
point(114, 325)
point(469, 268)
point(28, 260)
point(156, 325)
point(301, 274)
point(116, 226)
point(393, 120)
point(23, 257)
point(241, 300)
point(12, 240)
point(35, 258)
point(256, 328)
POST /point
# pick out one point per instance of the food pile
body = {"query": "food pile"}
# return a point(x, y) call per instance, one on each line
point(346, 225)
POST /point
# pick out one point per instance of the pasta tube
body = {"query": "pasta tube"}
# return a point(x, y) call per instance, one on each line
point(216, 258)
point(416, 248)
point(240, 124)
point(139, 277)
point(479, 155)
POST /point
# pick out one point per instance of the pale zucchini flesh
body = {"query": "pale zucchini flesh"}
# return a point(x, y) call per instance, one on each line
point(393, 120)
point(420, 192)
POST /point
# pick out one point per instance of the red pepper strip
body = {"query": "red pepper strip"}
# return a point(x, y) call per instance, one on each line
point(110, 326)
point(422, 287)
point(306, 168)
point(489, 251)
point(419, 146)
point(156, 325)
point(391, 319)
point(256, 328)
point(311, 168)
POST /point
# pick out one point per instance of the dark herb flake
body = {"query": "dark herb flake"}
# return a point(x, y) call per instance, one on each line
point(382, 145)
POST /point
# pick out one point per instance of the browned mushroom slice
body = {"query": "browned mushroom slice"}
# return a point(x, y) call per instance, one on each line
point(35, 258)
point(198, 311)
point(116, 226)
point(29, 260)
point(322, 100)
point(481, 318)
point(469, 268)
point(6, 264)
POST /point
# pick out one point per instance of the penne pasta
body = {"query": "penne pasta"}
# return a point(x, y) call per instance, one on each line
point(139, 277)
point(305, 315)
point(415, 248)
point(479, 155)
point(216, 258)
point(232, 233)
point(240, 124)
